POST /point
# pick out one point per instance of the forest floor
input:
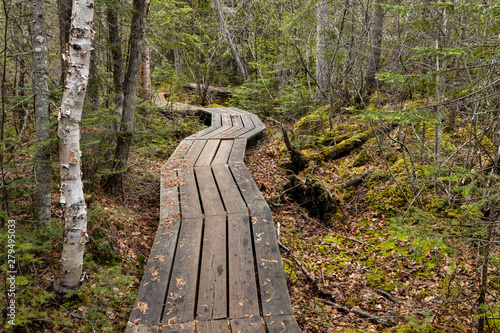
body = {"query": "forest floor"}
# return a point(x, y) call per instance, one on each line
point(355, 272)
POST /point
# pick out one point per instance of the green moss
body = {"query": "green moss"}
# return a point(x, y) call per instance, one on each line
point(290, 273)
point(378, 279)
point(352, 301)
point(362, 159)
point(314, 122)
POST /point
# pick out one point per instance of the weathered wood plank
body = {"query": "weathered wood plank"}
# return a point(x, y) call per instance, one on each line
point(212, 326)
point(238, 151)
point(279, 324)
point(246, 184)
point(212, 295)
point(150, 297)
point(247, 325)
point(181, 298)
point(223, 153)
point(188, 193)
point(228, 134)
point(231, 196)
point(216, 123)
point(272, 280)
point(243, 297)
point(210, 198)
point(178, 328)
point(247, 126)
point(208, 153)
point(142, 329)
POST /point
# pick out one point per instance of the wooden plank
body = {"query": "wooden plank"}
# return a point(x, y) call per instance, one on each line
point(279, 324)
point(151, 295)
point(228, 134)
point(238, 151)
point(231, 196)
point(178, 328)
point(210, 198)
point(247, 325)
point(212, 295)
point(181, 298)
point(253, 133)
point(208, 153)
point(188, 193)
point(142, 329)
point(223, 153)
point(246, 184)
point(243, 297)
point(216, 123)
point(191, 156)
point(272, 280)
point(226, 120)
point(247, 126)
point(212, 326)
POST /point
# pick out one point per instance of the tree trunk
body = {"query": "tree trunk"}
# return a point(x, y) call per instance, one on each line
point(72, 200)
point(376, 47)
point(42, 113)
point(64, 13)
point(115, 181)
point(116, 56)
point(321, 49)
point(229, 39)
point(145, 91)
point(93, 96)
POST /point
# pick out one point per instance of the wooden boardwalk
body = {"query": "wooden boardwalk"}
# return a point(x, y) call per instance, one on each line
point(215, 264)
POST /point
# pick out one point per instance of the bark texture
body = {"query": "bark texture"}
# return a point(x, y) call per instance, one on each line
point(229, 39)
point(64, 14)
point(116, 56)
point(115, 182)
point(376, 46)
point(42, 114)
point(321, 48)
point(77, 58)
point(145, 92)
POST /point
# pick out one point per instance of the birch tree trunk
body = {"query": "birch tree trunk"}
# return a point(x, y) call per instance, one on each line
point(115, 181)
point(42, 114)
point(376, 46)
point(321, 48)
point(229, 39)
point(77, 58)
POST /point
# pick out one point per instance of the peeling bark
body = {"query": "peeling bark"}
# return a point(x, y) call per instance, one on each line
point(42, 114)
point(77, 59)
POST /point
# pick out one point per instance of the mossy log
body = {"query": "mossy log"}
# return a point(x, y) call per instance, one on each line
point(315, 197)
point(344, 148)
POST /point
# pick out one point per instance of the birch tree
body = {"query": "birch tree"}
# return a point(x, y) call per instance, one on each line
point(42, 116)
point(77, 59)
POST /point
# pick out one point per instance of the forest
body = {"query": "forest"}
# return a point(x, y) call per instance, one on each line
point(380, 161)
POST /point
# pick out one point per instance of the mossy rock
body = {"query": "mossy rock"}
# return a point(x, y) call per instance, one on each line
point(362, 159)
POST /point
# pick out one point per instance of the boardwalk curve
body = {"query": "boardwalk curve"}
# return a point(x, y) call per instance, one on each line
point(215, 264)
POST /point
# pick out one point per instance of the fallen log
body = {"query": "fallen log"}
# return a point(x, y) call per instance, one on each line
point(212, 90)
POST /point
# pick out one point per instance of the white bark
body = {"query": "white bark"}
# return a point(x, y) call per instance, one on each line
point(77, 58)
point(321, 47)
